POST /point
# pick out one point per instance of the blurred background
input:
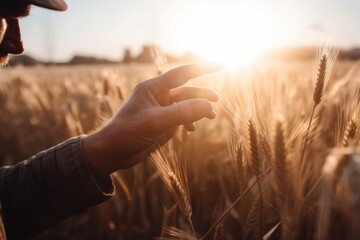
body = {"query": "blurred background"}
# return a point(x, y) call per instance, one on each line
point(117, 30)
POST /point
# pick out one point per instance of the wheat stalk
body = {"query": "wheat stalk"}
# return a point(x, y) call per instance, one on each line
point(279, 169)
point(172, 174)
point(253, 215)
point(265, 146)
point(255, 166)
point(119, 93)
point(282, 185)
point(106, 87)
point(320, 80)
point(350, 132)
point(239, 165)
point(326, 61)
point(177, 234)
point(181, 194)
point(226, 212)
point(219, 231)
point(254, 149)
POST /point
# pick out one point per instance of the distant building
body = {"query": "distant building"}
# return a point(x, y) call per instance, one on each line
point(352, 54)
point(146, 55)
point(127, 56)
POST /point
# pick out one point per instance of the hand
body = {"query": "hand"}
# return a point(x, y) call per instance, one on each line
point(150, 117)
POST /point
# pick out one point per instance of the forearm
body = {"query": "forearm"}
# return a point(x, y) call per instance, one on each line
point(48, 188)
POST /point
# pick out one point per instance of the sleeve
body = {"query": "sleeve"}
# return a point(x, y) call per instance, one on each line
point(47, 188)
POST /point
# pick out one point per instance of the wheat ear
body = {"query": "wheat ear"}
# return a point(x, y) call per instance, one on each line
point(239, 165)
point(219, 231)
point(317, 96)
point(281, 184)
point(254, 149)
point(180, 194)
point(252, 215)
point(255, 167)
point(106, 87)
point(119, 93)
point(279, 171)
point(350, 132)
point(320, 80)
point(174, 178)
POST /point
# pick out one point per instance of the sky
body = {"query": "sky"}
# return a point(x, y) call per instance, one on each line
point(104, 28)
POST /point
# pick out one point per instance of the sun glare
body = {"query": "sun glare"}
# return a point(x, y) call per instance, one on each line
point(234, 34)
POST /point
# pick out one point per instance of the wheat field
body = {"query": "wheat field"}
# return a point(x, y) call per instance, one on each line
point(279, 161)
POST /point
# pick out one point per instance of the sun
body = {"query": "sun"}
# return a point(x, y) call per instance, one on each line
point(233, 34)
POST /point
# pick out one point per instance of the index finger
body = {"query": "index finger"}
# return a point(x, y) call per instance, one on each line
point(180, 75)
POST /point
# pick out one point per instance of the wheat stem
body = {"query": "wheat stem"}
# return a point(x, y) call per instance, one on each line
point(307, 133)
point(317, 96)
point(261, 207)
point(232, 206)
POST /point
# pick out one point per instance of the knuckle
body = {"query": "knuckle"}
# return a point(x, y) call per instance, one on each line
point(141, 87)
point(182, 113)
point(138, 88)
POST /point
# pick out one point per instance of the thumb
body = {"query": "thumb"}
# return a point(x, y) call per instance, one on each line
point(186, 111)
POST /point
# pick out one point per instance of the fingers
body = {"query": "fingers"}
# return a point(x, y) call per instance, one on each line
point(179, 76)
point(184, 113)
point(190, 127)
point(183, 93)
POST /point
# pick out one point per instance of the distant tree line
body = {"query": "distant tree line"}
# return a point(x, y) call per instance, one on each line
point(147, 56)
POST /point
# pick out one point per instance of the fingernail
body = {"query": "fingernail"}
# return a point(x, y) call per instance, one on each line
point(192, 127)
point(213, 114)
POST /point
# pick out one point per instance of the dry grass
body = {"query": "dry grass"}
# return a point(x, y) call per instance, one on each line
point(261, 161)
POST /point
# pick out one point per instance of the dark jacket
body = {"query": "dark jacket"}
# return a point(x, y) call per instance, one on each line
point(47, 188)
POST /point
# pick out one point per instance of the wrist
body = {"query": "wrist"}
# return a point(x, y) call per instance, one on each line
point(95, 151)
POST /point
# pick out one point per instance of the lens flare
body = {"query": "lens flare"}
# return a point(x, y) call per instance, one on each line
point(234, 34)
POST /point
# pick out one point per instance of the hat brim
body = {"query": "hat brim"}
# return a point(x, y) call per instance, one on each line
point(58, 5)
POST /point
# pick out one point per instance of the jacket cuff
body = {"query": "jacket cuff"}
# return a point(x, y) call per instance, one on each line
point(85, 185)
